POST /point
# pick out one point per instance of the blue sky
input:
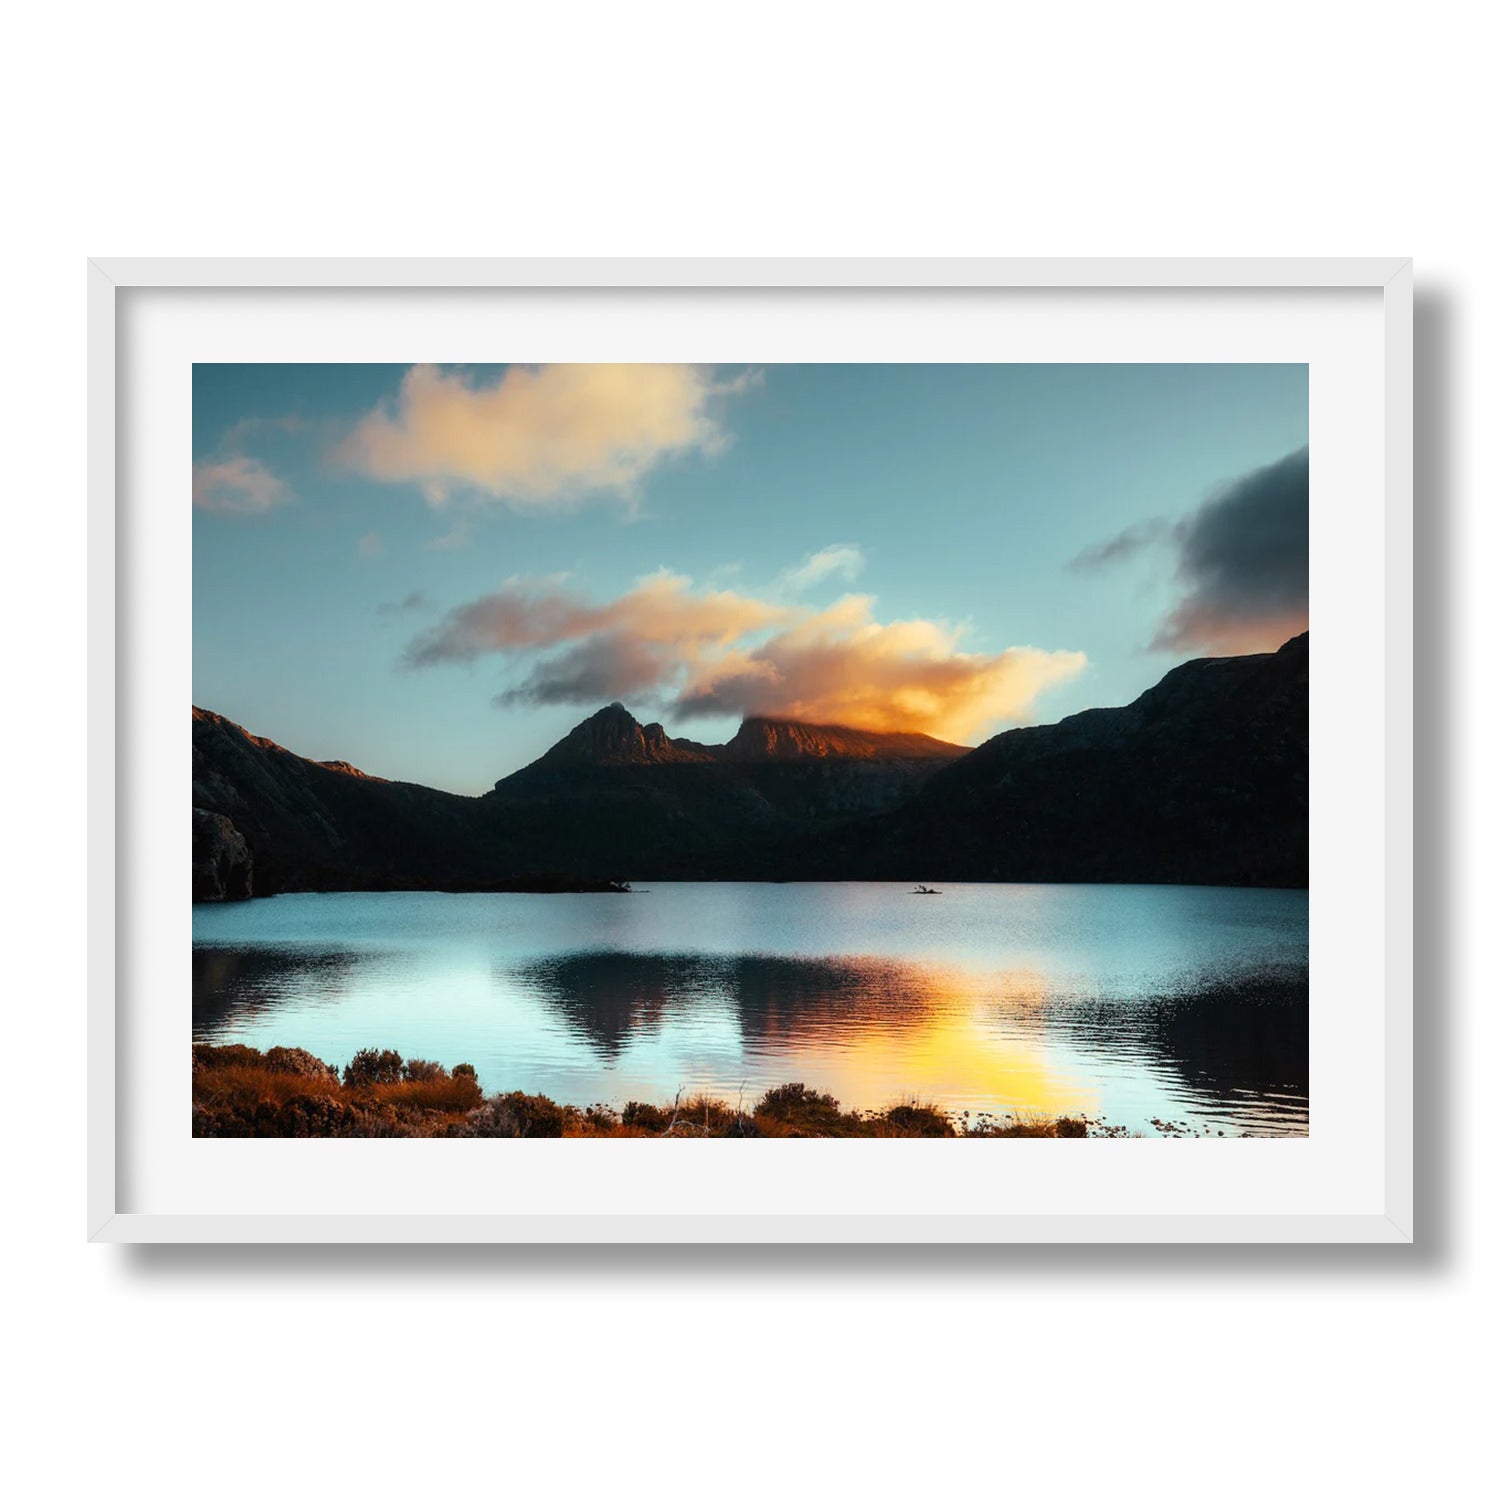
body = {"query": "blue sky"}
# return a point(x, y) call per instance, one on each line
point(435, 573)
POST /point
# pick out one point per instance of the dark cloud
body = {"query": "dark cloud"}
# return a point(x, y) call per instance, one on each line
point(597, 669)
point(1243, 559)
point(524, 614)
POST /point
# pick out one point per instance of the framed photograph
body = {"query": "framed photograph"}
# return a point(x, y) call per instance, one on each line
point(750, 750)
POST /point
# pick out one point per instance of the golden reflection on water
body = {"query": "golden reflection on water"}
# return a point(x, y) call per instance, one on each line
point(937, 1032)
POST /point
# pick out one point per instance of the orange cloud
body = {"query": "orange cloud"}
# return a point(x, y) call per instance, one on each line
point(706, 652)
point(541, 435)
point(841, 666)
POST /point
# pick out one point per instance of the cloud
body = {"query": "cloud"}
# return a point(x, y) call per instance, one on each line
point(1243, 558)
point(842, 560)
point(840, 666)
point(237, 486)
point(662, 612)
point(540, 436)
point(411, 604)
point(1124, 545)
point(238, 434)
point(598, 669)
point(702, 652)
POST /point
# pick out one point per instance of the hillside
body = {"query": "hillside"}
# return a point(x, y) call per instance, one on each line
point(611, 800)
point(1202, 780)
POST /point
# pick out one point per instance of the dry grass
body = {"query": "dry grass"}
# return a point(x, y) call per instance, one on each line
point(238, 1091)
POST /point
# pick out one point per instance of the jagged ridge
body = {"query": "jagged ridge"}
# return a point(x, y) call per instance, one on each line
point(613, 737)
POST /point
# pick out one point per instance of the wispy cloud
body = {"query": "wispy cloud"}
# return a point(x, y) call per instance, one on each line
point(1125, 544)
point(842, 560)
point(232, 481)
point(539, 437)
point(238, 434)
point(699, 652)
point(237, 486)
point(413, 603)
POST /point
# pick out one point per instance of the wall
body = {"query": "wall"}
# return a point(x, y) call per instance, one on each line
point(1146, 129)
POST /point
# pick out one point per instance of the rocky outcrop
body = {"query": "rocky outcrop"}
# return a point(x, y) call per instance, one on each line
point(784, 739)
point(613, 737)
point(222, 866)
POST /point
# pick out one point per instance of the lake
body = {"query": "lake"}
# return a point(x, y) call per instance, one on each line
point(1135, 1004)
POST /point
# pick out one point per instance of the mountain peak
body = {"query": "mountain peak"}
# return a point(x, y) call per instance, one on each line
point(614, 737)
point(786, 739)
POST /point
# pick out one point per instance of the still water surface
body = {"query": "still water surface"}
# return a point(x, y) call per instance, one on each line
point(1131, 1003)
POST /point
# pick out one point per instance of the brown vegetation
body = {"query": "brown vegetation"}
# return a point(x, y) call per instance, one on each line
point(238, 1091)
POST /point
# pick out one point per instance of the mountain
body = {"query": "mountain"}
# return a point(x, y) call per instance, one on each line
point(615, 795)
point(311, 825)
point(784, 740)
point(612, 737)
point(613, 799)
point(1203, 779)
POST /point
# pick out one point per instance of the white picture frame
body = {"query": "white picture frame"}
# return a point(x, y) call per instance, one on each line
point(1378, 1208)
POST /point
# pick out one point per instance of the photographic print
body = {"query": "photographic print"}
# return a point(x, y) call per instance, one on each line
point(750, 752)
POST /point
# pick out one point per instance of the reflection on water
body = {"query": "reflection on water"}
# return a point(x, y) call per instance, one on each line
point(1131, 1003)
point(233, 985)
point(869, 1030)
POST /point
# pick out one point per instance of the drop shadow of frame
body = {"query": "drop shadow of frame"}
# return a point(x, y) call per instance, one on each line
point(1434, 932)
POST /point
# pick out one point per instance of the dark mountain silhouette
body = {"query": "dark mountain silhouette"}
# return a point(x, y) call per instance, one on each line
point(615, 795)
point(611, 800)
point(612, 737)
point(1203, 779)
point(323, 826)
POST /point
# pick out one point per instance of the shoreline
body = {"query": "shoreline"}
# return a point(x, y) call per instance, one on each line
point(286, 1092)
point(567, 887)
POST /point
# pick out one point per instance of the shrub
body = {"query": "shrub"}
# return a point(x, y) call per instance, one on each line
point(465, 1070)
point(915, 1119)
point(440, 1093)
point(368, 1067)
point(1068, 1129)
point(601, 1120)
point(644, 1116)
point(801, 1108)
point(211, 1059)
point(517, 1114)
point(419, 1070)
point(299, 1063)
